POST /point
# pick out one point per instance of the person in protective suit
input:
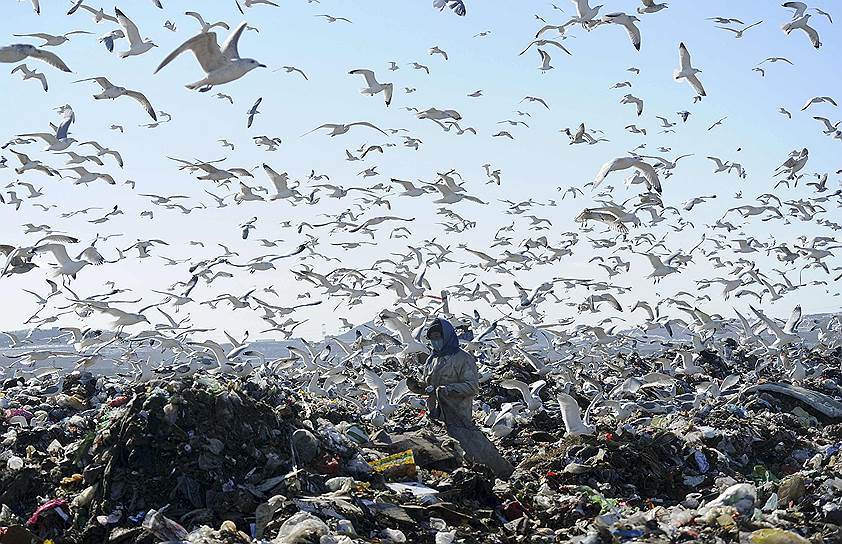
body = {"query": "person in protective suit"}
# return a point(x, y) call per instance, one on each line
point(451, 381)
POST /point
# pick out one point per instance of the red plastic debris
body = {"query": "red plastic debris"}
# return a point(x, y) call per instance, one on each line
point(512, 510)
point(49, 505)
point(12, 412)
point(328, 465)
point(118, 401)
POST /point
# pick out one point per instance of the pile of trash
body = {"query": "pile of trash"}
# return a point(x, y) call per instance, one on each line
point(208, 459)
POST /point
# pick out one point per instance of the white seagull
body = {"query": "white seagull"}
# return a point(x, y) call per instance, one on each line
point(111, 91)
point(50, 39)
point(221, 65)
point(585, 13)
point(19, 51)
point(337, 129)
point(137, 45)
point(571, 415)
point(627, 21)
point(281, 183)
point(206, 27)
point(622, 163)
point(818, 100)
point(67, 266)
point(801, 24)
point(374, 86)
point(545, 60)
point(31, 74)
point(687, 71)
point(528, 392)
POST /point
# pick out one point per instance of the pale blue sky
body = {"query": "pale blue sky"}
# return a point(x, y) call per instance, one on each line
point(533, 165)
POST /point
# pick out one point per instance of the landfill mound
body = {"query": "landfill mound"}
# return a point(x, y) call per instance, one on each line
point(209, 459)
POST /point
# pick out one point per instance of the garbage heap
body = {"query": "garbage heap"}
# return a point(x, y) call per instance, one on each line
point(206, 459)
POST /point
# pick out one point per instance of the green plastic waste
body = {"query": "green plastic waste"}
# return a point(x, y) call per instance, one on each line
point(776, 536)
point(760, 474)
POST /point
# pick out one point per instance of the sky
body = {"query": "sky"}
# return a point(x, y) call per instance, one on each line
point(533, 165)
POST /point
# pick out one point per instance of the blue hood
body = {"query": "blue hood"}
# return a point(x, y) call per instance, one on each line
point(451, 341)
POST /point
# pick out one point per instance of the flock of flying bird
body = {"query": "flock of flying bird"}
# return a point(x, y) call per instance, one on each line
point(631, 234)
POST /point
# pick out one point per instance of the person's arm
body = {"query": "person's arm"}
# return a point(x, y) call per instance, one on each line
point(468, 384)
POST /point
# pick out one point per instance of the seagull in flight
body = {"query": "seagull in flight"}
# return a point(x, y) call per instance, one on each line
point(826, 14)
point(584, 13)
point(717, 123)
point(631, 99)
point(332, 19)
point(108, 39)
point(818, 100)
point(543, 43)
point(545, 61)
point(798, 7)
point(337, 129)
point(28, 164)
point(291, 69)
point(725, 20)
point(801, 23)
point(649, 6)
point(687, 71)
point(783, 335)
point(374, 87)
point(31, 74)
point(536, 99)
point(777, 59)
point(281, 183)
point(19, 51)
point(418, 66)
point(51, 40)
point(435, 50)
point(623, 163)
point(206, 27)
point(529, 393)
point(458, 6)
point(220, 64)
point(252, 112)
point(739, 33)
point(66, 266)
point(111, 91)
point(137, 45)
point(571, 415)
point(627, 21)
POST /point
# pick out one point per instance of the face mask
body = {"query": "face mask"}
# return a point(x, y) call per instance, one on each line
point(438, 344)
